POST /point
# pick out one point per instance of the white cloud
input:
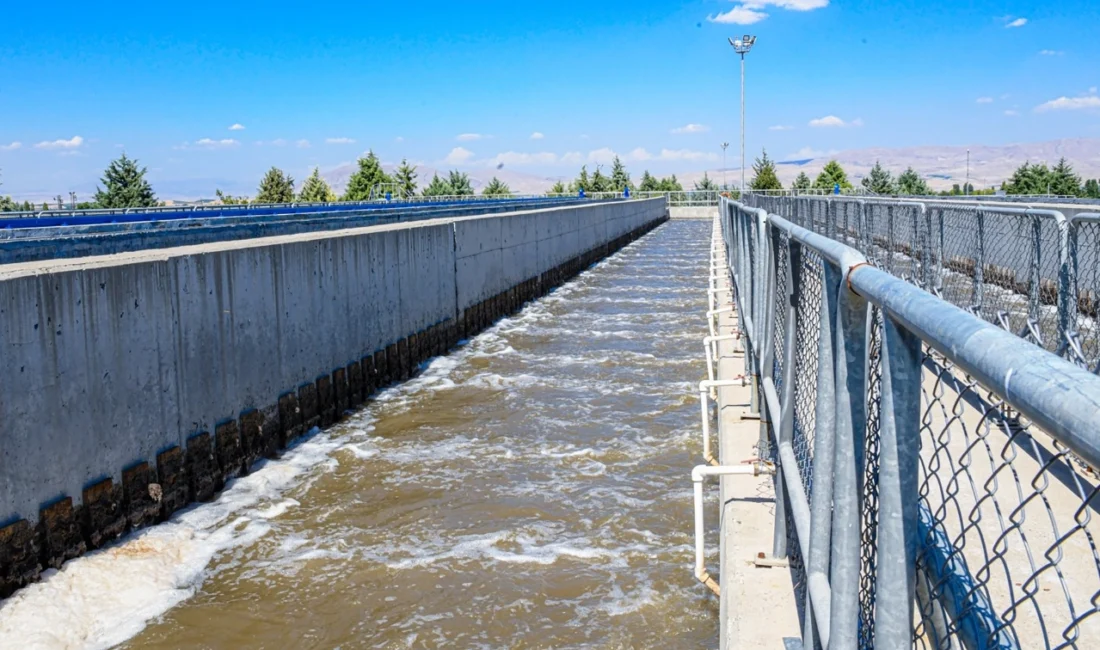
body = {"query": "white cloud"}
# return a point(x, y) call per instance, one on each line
point(1012, 113)
point(399, 139)
point(514, 158)
point(72, 143)
point(1011, 22)
point(11, 147)
point(1069, 104)
point(985, 100)
point(572, 158)
point(237, 127)
point(469, 137)
point(781, 127)
point(339, 141)
point(208, 143)
point(1051, 52)
point(1092, 90)
point(537, 136)
point(748, 12)
point(857, 122)
point(690, 128)
point(302, 144)
point(602, 156)
point(686, 154)
point(807, 152)
point(458, 156)
point(639, 155)
point(832, 121)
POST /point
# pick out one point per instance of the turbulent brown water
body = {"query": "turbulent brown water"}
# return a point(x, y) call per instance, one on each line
point(530, 490)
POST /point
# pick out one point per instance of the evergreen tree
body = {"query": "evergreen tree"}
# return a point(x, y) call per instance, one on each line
point(460, 183)
point(879, 181)
point(316, 190)
point(496, 188)
point(764, 177)
point(275, 187)
point(801, 183)
point(831, 175)
point(438, 187)
point(124, 186)
point(227, 199)
point(910, 183)
point(620, 178)
point(1092, 188)
point(601, 183)
point(369, 175)
point(1029, 179)
point(405, 179)
point(649, 183)
point(558, 188)
point(670, 184)
point(582, 182)
point(705, 183)
point(6, 204)
point(1063, 181)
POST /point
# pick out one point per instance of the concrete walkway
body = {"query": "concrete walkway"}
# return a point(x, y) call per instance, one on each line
point(758, 605)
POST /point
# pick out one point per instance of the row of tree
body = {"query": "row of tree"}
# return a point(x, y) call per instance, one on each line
point(1059, 180)
point(124, 184)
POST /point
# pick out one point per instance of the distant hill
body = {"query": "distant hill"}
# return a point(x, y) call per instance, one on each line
point(941, 166)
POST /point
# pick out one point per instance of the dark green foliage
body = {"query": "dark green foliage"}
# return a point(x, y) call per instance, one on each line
point(582, 182)
point(879, 181)
point(496, 188)
point(438, 187)
point(649, 183)
point(830, 176)
point(124, 186)
point(227, 199)
point(910, 183)
point(670, 184)
point(764, 177)
point(1039, 179)
point(1092, 188)
point(601, 183)
point(366, 178)
point(801, 183)
point(405, 177)
point(706, 183)
point(620, 178)
point(558, 188)
point(275, 187)
point(316, 190)
point(460, 183)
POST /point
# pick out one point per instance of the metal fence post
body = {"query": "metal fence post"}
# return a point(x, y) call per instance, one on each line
point(850, 364)
point(785, 434)
point(979, 265)
point(1067, 286)
point(899, 431)
point(821, 499)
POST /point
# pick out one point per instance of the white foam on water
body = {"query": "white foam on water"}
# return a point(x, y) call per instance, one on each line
point(108, 596)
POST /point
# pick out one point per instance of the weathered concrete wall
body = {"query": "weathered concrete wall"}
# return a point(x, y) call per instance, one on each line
point(136, 383)
point(693, 212)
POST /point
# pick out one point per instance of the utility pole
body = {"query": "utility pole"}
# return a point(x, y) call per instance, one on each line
point(966, 188)
point(742, 47)
point(725, 185)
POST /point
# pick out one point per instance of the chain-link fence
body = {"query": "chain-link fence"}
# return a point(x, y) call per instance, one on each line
point(934, 470)
point(1032, 272)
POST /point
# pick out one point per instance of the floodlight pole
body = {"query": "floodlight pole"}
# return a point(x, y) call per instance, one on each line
point(742, 47)
point(966, 188)
point(725, 185)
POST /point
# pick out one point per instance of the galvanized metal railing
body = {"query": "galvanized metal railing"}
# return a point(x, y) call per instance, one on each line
point(935, 484)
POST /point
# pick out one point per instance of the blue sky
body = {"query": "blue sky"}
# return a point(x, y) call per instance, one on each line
point(541, 87)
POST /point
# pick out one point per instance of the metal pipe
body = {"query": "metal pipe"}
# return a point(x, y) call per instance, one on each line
point(698, 475)
point(704, 406)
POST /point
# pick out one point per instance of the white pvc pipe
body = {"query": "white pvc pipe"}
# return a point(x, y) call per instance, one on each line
point(715, 312)
point(698, 475)
point(712, 355)
point(704, 407)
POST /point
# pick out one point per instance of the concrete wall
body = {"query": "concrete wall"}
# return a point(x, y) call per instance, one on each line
point(178, 368)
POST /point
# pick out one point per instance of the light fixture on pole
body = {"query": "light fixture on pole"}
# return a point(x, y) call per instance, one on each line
point(725, 185)
point(742, 47)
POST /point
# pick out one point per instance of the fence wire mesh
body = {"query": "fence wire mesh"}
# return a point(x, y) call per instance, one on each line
point(1007, 543)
